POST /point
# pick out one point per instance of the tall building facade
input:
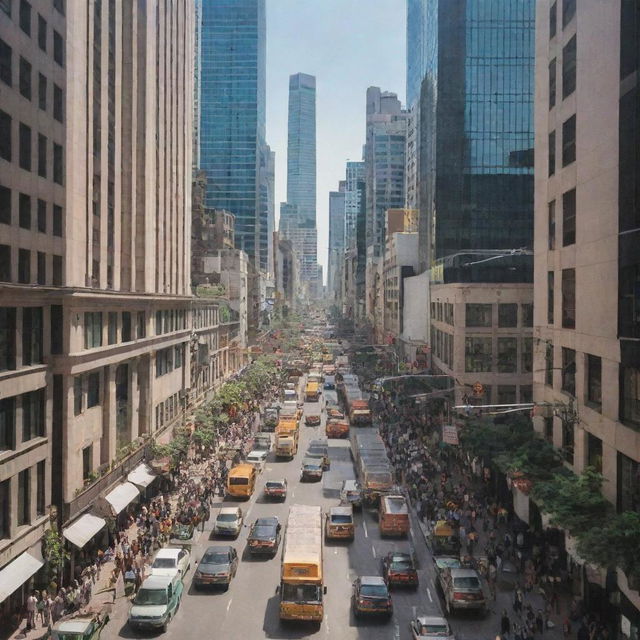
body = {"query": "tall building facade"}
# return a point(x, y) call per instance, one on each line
point(336, 240)
point(417, 46)
point(353, 199)
point(95, 252)
point(587, 239)
point(232, 116)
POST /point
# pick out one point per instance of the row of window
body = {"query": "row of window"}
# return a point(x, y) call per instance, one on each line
point(568, 298)
point(94, 327)
point(32, 407)
point(479, 355)
point(167, 410)
point(25, 21)
point(205, 317)
point(442, 346)
point(25, 212)
point(442, 311)
point(86, 392)
point(29, 321)
point(568, 145)
point(568, 12)
point(568, 220)
point(42, 273)
point(24, 480)
point(25, 149)
point(482, 315)
point(569, 57)
point(168, 359)
point(169, 320)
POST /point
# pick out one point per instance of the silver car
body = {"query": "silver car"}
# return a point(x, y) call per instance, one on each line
point(430, 628)
point(228, 521)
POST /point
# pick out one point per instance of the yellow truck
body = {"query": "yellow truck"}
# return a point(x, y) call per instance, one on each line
point(312, 392)
point(287, 433)
point(301, 576)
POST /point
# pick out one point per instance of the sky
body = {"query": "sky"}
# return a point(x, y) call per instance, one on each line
point(348, 45)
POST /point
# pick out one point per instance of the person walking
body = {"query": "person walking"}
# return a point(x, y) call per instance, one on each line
point(32, 603)
point(518, 599)
point(505, 624)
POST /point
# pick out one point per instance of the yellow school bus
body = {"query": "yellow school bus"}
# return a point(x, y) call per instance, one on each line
point(301, 582)
point(241, 481)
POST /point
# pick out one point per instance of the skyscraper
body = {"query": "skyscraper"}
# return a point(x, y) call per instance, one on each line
point(336, 239)
point(417, 45)
point(353, 198)
point(232, 115)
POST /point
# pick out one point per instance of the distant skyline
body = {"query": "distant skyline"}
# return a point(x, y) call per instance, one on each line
point(348, 45)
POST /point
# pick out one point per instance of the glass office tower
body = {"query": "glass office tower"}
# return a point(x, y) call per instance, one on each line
point(477, 135)
point(232, 113)
point(416, 48)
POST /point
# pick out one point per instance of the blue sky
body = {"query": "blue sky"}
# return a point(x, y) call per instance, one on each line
point(348, 45)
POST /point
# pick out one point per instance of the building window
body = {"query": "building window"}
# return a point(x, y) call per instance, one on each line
point(526, 393)
point(77, 395)
point(87, 462)
point(126, 326)
point(478, 355)
point(553, 19)
point(569, 218)
point(58, 5)
point(40, 488)
point(594, 452)
point(548, 364)
point(42, 216)
point(630, 395)
point(24, 266)
point(25, 147)
point(568, 440)
point(177, 359)
point(507, 355)
point(629, 37)
point(142, 326)
point(569, 371)
point(41, 271)
point(527, 315)
point(112, 321)
point(24, 211)
point(548, 429)
point(551, 233)
point(552, 153)
point(527, 355)
point(550, 296)
point(7, 424)
point(24, 498)
point(569, 141)
point(569, 68)
point(58, 163)
point(5, 63)
point(594, 380)
point(57, 271)
point(569, 298)
point(93, 389)
point(42, 33)
point(24, 72)
point(92, 329)
point(57, 220)
point(7, 338)
point(628, 484)
point(568, 11)
point(42, 92)
point(507, 394)
point(478, 315)
point(25, 17)
point(58, 104)
point(32, 332)
point(507, 315)
point(42, 156)
point(5, 205)
point(57, 327)
point(164, 361)
point(5, 136)
point(58, 48)
point(552, 83)
point(33, 415)
point(5, 509)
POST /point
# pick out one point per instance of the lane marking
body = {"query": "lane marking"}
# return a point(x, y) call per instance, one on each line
point(374, 551)
point(229, 604)
point(396, 632)
point(414, 612)
point(429, 594)
point(364, 526)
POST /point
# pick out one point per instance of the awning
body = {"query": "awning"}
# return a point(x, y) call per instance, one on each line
point(121, 496)
point(16, 573)
point(142, 476)
point(83, 529)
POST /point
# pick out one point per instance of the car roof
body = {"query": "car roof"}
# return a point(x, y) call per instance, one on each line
point(168, 552)
point(372, 580)
point(233, 510)
point(341, 511)
point(223, 548)
point(431, 620)
point(464, 573)
point(350, 483)
point(272, 520)
point(318, 443)
point(278, 480)
point(310, 461)
point(157, 582)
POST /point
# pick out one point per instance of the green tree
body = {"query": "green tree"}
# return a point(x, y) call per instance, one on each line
point(55, 555)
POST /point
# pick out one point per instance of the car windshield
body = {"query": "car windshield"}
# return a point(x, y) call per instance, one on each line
point(339, 519)
point(164, 563)
point(311, 465)
point(469, 582)
point(434, 630)
point(301, 593)
point(215, 557)
point(227, 517)
point(374, 591)
point(401, 564)
point(239, 480)
point(275, 485)
point(151, 596)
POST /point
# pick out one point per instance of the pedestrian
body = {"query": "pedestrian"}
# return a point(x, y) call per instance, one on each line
point(518, 600)
point(46, 611)
point(505, 624)
point(32, 603)
point(540, 621)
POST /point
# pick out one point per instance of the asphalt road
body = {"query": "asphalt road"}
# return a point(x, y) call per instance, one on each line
point(249, 609)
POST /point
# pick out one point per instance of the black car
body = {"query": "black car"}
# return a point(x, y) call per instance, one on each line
point(371, 597)
point(399, 568)
point(264, 536)
point(217, 566)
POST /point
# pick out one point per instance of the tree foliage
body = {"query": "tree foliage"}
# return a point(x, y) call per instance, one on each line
point(55, 554)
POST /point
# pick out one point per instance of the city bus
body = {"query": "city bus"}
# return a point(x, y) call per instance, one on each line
point(301, 578)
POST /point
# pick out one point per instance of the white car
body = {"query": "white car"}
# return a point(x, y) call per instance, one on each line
point(228, 522)
point(430, 628)
point(170, 561)
point(257, 458)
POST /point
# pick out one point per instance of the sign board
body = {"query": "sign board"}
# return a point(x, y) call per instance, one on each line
point(450, 434)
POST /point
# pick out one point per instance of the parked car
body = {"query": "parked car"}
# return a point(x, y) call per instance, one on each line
point(276, 489)
point(182, 535)
point(351, 494)
point(430, 628)
point(264, 536)
point(228, 521)
point(462, 589)
point(80, 625)
point(218, 565)
point(169, 561)
point(399, 569)
point(156, 602)
point(370, 596)
point(311, 469)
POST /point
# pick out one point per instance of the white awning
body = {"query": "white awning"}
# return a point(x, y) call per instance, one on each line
point(142, 476)
point(83, 529)
point(16, 573)
point(121, 496)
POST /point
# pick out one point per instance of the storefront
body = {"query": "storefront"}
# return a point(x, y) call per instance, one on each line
point(16, 582)
point(86, 535)
point(144, 478)
point(115, 503)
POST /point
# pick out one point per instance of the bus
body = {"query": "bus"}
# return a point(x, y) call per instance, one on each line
point(312, 392)
point(301, 577)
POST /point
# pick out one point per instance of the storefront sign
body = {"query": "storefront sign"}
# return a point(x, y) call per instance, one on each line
point(450, 434)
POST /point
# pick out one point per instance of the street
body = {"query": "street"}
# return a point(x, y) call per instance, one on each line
point(249, 609)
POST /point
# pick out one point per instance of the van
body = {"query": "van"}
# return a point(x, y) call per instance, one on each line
point(339, 524)
point(393, 516)
point(241, 481)
point(156, 602)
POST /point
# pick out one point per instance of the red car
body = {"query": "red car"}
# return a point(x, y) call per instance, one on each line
point(276, 489)
point(399, 569)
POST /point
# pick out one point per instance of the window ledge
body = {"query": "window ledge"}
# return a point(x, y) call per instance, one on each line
point(594, 406)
